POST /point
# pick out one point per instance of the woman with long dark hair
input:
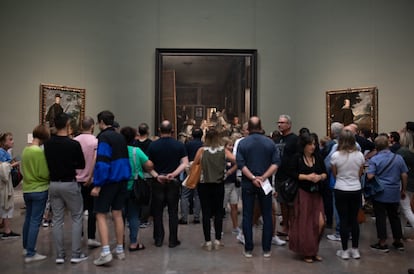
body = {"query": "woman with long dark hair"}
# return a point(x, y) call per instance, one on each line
point(308, 222)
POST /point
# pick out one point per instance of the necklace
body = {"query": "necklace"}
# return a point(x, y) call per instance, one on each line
point(309, 161)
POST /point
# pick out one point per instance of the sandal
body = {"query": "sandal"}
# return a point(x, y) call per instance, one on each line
point(137, 248)
point(308, 260)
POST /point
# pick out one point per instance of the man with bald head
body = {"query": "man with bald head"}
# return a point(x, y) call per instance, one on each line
point(258, 160)
point(170, 158)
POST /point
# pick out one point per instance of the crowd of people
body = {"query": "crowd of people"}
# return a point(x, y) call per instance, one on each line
point(98, 174)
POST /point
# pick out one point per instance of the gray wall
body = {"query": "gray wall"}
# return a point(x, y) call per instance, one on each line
point(108, 47)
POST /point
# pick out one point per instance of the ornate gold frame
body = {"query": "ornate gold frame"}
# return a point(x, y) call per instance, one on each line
point(363, 102)
point(72, 102)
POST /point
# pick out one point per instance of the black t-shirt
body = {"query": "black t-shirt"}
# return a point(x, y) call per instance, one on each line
point(365, 144)
point(166, 154)
point(192, 147)
point(63, 157)
point(287, 147)
point(143, 145)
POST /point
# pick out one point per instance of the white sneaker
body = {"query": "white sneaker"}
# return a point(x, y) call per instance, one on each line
point(103, 259)
point(240, 238)
point(82, 257)
point(236, 231)
point(93, 243)
point(34, 258)
point(247, 254)
point(333, 237)
point(60, 260)
point(217, 244)
point(277, 241)
point(267, 254)
point(344, 254)
point(208, 246)
point(355, 253)
point(119, 255)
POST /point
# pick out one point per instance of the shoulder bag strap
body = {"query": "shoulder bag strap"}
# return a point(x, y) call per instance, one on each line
point(389, 163)
point(134, 152)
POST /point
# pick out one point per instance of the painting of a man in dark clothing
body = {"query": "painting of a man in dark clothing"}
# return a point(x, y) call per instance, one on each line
point(54, 110)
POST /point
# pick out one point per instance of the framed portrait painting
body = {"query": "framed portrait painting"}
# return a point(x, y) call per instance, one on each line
point(55, 99)
point(353, 105)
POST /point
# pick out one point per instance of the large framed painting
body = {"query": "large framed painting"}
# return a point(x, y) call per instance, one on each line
point(55, 99)
point(353, 105)
point(205, 87)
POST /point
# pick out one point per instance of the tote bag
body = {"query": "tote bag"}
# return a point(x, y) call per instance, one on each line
point(191, 181)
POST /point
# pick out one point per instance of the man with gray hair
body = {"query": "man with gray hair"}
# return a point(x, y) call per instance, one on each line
point(287, 145)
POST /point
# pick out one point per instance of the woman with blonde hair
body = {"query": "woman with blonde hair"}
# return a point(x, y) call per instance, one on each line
point(347, 167)
point(213, 158)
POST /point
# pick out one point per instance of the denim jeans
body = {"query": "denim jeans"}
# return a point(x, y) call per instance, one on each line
point(132, 210)
point(186, 195)
point(35, 206)
point(249, 194)
point(336, 215)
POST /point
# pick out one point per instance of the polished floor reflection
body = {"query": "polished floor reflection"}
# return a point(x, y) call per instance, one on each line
point(190, 258)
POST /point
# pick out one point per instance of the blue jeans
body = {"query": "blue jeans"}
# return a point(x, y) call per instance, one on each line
point(336, 215)
point(132, 210)
point(249, 194)
point(186, 195)
point(35, 207)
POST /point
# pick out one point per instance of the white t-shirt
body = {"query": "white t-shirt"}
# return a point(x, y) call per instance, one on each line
point(347, 166)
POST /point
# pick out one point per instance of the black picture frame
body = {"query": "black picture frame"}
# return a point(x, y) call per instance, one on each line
point(187, 79)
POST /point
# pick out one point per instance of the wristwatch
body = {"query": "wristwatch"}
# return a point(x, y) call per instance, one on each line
point(253, 177)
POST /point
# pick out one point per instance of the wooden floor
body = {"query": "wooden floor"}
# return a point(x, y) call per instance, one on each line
point(190, 258)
